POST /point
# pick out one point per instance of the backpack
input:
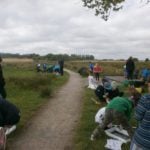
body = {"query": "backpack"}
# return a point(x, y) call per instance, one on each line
point(100, 92)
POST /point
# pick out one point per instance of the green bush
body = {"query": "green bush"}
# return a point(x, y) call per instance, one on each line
point(45, 92)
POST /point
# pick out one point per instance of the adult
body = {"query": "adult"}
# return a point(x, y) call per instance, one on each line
point(96, 70)
point(130, 66)
point(61, 64)
point(9, 113)
point(2, 82)
point(119, 110)
point(141, 138)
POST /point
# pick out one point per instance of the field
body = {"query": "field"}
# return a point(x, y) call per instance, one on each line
point(112, 68)
point(17, 60)
point(28, 89)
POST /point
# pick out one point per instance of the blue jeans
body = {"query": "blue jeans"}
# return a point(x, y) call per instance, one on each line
point(134, 146)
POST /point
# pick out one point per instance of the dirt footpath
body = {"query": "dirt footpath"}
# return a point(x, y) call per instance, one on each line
point(53, 127)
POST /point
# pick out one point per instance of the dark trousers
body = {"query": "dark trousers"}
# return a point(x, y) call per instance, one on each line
point(61, 71)
point(130, 75)
point(97, 76)
point(3, 92)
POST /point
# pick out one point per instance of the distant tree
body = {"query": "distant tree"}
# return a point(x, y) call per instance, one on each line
point(104, 7)
point(135, 59)
point(147, 59)
point(67, 57)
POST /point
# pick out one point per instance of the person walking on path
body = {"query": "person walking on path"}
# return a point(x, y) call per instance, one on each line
point(130, 67)
point(97, 70)
point(2, 82)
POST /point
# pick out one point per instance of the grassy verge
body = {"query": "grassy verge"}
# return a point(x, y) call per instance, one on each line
point(87, 125)
point(29, 90)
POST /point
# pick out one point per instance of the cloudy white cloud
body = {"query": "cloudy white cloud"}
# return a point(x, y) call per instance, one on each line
point(37, 26)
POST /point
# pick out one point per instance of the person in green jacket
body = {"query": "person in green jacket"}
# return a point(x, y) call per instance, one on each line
point(119, 110)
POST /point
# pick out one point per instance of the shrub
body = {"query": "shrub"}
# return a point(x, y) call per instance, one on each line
point(45, 92)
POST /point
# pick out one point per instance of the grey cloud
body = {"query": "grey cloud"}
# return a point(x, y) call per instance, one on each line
point(30, 26)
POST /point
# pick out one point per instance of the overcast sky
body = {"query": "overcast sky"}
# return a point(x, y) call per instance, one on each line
point(65, 26)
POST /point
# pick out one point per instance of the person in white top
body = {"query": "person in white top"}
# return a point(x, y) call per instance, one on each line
point(92, 82)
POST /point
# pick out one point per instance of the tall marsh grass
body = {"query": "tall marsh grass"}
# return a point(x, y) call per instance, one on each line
point(111, 68)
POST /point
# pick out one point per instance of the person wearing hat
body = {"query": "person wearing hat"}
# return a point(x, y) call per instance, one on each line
point(111, 91)
point(2, 82)
point(119, 110)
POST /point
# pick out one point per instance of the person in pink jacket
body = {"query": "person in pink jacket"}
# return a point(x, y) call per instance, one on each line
point(97, 70)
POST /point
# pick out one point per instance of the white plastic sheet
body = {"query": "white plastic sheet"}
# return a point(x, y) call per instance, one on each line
point(113, 144)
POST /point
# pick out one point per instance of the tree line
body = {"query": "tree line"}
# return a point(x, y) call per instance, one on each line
point(49, 56)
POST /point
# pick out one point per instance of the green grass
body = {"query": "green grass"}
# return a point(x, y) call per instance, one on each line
point(87, 125)
point(29, 90)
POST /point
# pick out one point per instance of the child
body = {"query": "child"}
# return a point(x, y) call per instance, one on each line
point(112, 92)
point(96, 70)
point(92, 82)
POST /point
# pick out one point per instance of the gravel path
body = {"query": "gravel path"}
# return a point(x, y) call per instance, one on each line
point(53, 127)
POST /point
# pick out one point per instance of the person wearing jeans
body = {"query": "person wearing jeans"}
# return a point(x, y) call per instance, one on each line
point(141, 138)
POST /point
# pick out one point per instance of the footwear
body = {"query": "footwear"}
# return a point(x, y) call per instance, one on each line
point(10, 129)
point(92, 137)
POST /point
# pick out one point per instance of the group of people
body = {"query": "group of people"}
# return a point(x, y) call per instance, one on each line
point(57, 68)
point(130, 71)
point(107, 90)
point(119, 109)
point(95, 69)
